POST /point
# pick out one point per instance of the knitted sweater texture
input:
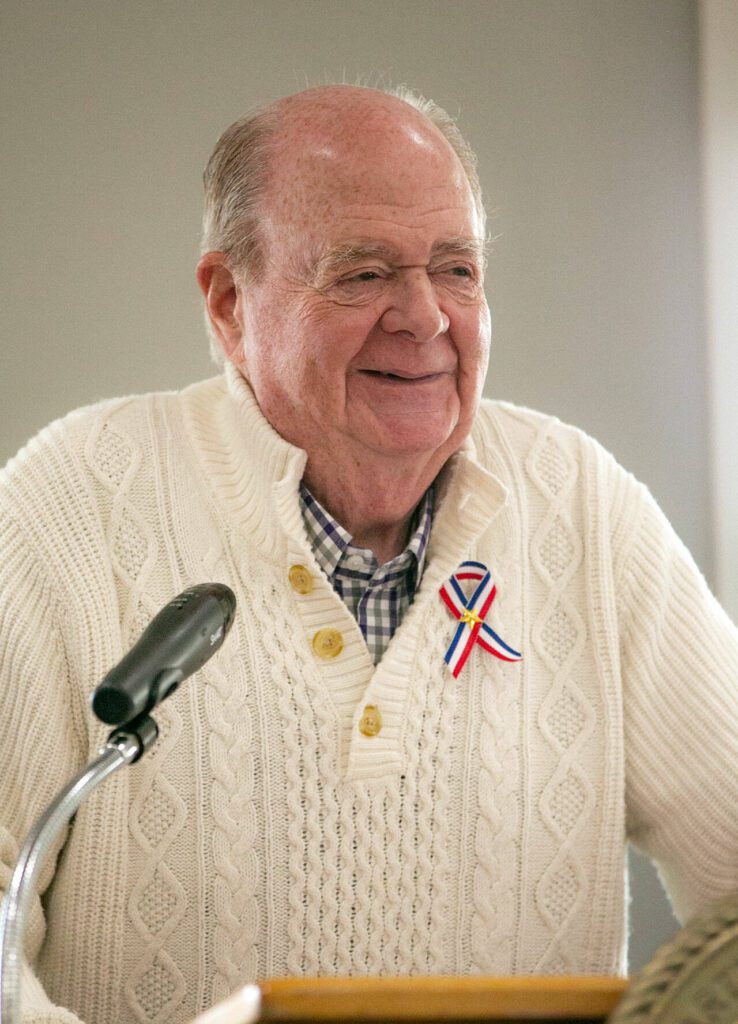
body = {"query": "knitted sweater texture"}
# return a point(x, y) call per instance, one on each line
point(481, 831)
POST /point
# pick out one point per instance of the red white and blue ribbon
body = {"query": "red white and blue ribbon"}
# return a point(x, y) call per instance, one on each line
point(471, 613)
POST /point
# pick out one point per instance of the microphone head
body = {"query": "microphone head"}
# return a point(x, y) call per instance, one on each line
point(112, 706)
point(176, 643)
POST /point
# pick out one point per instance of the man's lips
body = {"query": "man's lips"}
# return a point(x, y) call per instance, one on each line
point(404, 376)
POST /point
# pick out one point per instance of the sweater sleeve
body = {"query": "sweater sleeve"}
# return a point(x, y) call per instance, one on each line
point(38, 737)
point(679, 658)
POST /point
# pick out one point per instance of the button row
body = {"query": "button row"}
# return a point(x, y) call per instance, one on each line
point(328, 643)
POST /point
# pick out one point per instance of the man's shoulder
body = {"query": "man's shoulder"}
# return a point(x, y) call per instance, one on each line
point(131, 416)
point(62, 487)
point(73, 463)
point(535, 452)
point(524, 429)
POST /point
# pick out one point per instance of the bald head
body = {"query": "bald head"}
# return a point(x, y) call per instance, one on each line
point(262, 157)
point(349, 116)
point(327, 123)
point(359, 147)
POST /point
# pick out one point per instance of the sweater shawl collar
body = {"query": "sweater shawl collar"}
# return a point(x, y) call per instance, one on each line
point(255, 475)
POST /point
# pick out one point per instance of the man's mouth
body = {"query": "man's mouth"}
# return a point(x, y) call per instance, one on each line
point(405, 378)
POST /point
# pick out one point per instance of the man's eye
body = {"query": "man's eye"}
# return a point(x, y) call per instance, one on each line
point(359, 287)
point(460, 270)
point(359, 280)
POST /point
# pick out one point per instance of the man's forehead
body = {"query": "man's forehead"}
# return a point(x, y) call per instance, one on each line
point(375, 202)
point(385, 176)
point(360, 181)
point(376, 158)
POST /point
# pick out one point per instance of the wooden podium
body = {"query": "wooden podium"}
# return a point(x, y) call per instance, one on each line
point(421, 1000)
point(693, 978)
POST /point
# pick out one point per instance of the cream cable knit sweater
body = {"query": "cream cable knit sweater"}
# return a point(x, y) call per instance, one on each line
point(482, 830)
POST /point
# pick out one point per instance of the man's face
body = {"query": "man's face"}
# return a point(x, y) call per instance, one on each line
point(369, 328)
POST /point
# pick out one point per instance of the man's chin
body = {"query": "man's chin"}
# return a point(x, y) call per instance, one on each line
point(411, 442)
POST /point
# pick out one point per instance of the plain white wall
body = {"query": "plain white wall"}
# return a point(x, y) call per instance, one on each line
point(585, 117)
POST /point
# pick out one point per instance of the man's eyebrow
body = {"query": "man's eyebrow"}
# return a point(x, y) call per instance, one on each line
point(471, 248)
point(348, 254)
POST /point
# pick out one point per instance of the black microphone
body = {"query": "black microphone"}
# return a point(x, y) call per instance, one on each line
point(177, 642)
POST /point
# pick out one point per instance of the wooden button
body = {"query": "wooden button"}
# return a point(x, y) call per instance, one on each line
point(301, 579)
point(327, 643)
point(371, 721)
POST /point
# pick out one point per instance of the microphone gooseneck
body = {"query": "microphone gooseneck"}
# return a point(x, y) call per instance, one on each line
point(177, 642)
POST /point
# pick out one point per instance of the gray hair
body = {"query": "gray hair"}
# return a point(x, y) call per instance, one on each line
point(237, 173)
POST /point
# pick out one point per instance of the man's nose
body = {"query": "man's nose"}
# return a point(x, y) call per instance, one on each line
point(414, 309)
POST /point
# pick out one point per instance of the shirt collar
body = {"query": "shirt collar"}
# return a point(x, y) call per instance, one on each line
point(330, 541)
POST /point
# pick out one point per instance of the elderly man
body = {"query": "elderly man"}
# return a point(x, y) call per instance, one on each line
point(367, 778)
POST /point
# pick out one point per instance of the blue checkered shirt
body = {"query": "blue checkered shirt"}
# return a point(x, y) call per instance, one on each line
point(376, 595)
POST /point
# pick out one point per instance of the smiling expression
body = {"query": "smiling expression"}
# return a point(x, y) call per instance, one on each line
point(368, 328)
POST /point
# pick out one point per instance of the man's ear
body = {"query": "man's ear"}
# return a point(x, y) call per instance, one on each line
point(220, 290)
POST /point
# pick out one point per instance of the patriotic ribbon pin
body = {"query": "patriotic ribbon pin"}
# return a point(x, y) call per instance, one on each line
point(472, 613)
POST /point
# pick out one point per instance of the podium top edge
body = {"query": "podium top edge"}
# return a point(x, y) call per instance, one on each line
point(422, 998)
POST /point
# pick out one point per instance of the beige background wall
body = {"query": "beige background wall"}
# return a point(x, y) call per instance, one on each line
point(719, 132)
point(585, 117)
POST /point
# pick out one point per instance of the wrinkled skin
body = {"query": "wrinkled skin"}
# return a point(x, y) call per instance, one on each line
point(366, 338)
